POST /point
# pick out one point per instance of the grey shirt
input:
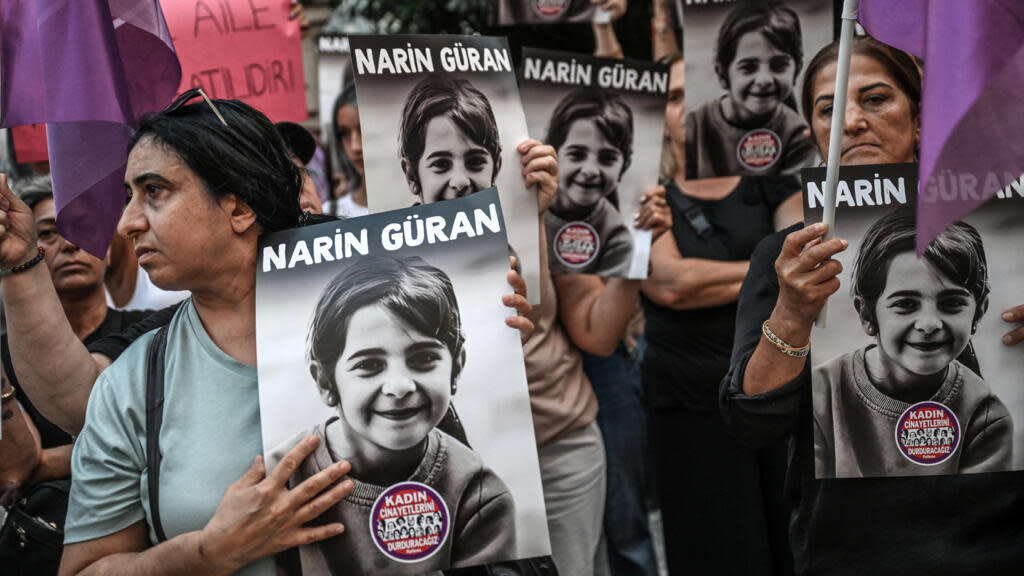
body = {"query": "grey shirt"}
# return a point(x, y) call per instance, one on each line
point(855, 424)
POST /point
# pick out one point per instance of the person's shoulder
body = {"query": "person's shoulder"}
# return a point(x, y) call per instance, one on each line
point(132, 362)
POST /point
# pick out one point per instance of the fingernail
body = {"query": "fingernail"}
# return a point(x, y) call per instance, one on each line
point(1007, 339)
point(818, 226)
point(1008, 316)
point(844, 243)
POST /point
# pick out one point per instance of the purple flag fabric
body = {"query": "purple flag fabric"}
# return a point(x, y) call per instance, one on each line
point(972, 111)
point(88, 69)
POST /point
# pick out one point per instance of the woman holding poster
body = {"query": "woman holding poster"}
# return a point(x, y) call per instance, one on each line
point(200, 193)
point(895, 525)
point(723, 488)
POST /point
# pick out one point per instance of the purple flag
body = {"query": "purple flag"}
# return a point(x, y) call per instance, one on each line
point(88, 69)
point(972, 111)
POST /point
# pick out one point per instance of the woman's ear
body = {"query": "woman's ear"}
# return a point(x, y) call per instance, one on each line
point(867, 316)
point(243, 217)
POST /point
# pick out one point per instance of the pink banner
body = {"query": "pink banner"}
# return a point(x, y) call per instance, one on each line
point(241, 49)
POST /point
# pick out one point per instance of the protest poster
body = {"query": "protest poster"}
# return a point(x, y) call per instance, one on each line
point(514, 12)
point(247, 50)
point(385, 336)
point(447, 120)
point(910, 376)
point(30, 143)
point(744, 69)
point(606, 120)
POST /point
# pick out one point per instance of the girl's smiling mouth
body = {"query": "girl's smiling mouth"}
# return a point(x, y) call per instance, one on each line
point(929, 346)
point(400, 413)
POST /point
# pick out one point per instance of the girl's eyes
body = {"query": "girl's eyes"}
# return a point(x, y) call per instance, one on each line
point(747, 68)
point(953, 305)
point(476, 162)
point(608, 157)
point(423, 361)
point(440, 165)
point(780, 63)
point(577, 155)
point(370, 366)
point(905, 305)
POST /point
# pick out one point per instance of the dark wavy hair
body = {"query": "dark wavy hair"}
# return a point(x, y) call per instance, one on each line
point(958, 254)
point(611, 115)
point(456, 99)
point(246, 158)
point(419, 294)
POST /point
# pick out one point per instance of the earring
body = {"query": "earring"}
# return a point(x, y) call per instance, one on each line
point(455, 386)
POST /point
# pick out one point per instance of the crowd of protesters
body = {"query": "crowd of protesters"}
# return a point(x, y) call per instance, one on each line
point(665, 393)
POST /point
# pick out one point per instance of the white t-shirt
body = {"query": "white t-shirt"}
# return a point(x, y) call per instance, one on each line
point(148, 296)
point(345, 207)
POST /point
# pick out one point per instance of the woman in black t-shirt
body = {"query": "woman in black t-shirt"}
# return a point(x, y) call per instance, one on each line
point(721, 503)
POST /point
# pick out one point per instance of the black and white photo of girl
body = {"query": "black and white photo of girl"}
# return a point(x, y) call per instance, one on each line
point(743, 61)
point(448, 121)
point(910, 376)
point(389, 358)
point(607, 131)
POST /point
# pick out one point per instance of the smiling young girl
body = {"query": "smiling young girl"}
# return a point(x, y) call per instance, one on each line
point(592, 131)
point(876, 409)
point(448, 141)
point(754, 128)
point(386, 349)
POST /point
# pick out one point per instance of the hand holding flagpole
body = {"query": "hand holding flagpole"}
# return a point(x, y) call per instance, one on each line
point(835, 143)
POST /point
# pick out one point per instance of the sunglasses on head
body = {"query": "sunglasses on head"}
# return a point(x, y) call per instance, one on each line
point(186, 97)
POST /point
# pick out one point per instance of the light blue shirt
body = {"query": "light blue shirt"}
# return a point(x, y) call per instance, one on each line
point(209, 437)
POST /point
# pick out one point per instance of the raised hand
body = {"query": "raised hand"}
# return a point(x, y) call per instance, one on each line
point(17, 228)
point(540, 167)
point(654, 213)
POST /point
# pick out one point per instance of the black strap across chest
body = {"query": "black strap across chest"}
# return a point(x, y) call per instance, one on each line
point(155, 363)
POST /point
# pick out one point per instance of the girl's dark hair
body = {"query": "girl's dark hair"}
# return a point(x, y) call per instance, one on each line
point(898, 64)
point(779, 24)
point(458, 100)
point(347, 97)
point(417, 293)
point(958, 253)
point(246, 158)
point(611, 115)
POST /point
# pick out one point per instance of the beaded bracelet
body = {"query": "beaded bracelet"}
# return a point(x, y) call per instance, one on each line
point(26, 265)
point(782, 346)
